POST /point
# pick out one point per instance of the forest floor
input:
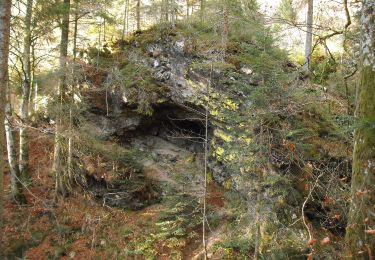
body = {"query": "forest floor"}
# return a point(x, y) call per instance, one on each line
point(79, 227)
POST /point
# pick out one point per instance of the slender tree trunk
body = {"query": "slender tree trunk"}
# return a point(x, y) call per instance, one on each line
point(309, 34)
point(361, 221)
point(15, 178)
point(206, 155)
point(5, 6)
point(75, 33)
point(173, 12)
point(166, 10)
point(32, 87)
point(70, 138)
point(127, 16)
point(60, 186)
point(138, 14)
point(125, 25)
point(225, 27)
point(35, 95)
point(24, 111)
point(203, 6)
point(104, 31)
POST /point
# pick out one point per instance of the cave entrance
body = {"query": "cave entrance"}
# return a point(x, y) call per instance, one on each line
point(171, 142)
point(180, 125)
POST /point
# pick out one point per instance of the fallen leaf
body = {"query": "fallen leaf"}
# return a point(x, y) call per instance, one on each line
point(361, 193)
point(310, 256)
point(337, 217)
point(329, 200)
point(370, 231)
point(325, 241)
point(311, 242)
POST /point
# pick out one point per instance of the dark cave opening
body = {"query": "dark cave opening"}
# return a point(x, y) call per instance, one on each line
point(180, 125)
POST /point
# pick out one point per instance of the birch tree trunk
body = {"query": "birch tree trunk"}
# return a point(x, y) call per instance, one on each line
point(15, 177)
point(5, 6)
point(60, 185)
point(24, 110)
point(309, 34)
point(361, 221)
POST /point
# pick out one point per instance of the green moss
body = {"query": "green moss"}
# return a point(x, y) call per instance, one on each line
point(363, 178)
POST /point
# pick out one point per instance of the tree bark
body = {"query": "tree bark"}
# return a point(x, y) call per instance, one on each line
point(203, 6)
point(71, 98)
point(24, 110)
point(15, 177)
point(5, 6)
point(60, 185)
point(33, 83)
point(361, 215)
point(75, 31)
point(309, 34)
point(126, 20)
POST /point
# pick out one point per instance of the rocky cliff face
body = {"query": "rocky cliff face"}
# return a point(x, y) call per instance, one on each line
point(175, 92)
point(151, 99)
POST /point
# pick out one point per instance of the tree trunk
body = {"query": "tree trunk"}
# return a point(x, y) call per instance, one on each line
point(75, 33)
point(71, 98)
point(5, 6)
point(60, 185)
point(126, 20)
point(174, 11)
point(24, 110)
point(32, 87)
point(361, 215)
point(138, 14)
point(225, 27)
point(127, 16)
point(15, 178)
point(165, 11)
point(309, 35)
point(202, 10)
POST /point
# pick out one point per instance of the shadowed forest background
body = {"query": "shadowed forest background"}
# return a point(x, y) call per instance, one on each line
point(187, 129)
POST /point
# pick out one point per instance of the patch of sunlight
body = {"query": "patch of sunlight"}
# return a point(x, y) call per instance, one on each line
point(41, 103)
point(223, 136)
point(214, 112)
point(220, 151)
point(229, 104)
point(230, 157)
